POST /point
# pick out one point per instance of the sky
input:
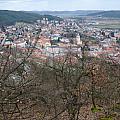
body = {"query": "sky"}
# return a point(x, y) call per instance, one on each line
point(59, 5)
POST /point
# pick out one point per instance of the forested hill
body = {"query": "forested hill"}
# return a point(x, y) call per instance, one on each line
point(109, 14)
point(10, 17)
point(67, 13)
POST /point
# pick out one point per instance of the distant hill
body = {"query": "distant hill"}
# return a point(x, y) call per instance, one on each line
point(11, 17)
point(108, 14)
point(67, 13)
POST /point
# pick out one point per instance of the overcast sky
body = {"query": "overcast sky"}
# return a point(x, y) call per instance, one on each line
point(61, 5)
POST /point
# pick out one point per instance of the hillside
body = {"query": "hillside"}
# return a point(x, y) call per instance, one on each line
point(109, 14)
point(67, 13)
point(10, 17)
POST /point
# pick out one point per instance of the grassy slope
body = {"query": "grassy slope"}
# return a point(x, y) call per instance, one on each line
point(109, 14)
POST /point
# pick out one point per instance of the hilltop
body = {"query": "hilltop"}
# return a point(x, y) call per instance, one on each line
point(67, 13)
point(108, 14)
point(11, 17)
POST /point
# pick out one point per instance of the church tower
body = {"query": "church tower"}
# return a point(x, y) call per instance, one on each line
point(78, 40)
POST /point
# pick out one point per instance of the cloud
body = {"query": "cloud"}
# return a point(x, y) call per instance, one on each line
point(24, 5)
point(59, 4)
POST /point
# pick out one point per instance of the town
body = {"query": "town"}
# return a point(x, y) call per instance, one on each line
point(57, 38)
point(59, 60)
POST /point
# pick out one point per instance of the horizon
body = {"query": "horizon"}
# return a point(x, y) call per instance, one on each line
point(63, 5)
point(57, 10)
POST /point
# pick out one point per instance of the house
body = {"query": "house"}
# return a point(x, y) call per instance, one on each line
point(43, 42)
point(7, 42)
point(55, 38)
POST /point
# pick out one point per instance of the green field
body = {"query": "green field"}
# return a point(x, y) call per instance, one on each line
point(112, 26)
